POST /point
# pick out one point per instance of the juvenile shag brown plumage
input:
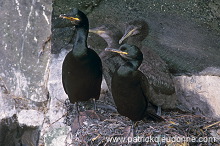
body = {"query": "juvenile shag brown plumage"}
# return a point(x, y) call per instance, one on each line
point(154, 68)
point(82, 67)
point(130, 88)
point(111, 61)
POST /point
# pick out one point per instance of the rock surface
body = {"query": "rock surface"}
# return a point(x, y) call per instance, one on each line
point(22, 38)
point(185, 34)
point(199, 94)
point(24, 63)
point(14, 134)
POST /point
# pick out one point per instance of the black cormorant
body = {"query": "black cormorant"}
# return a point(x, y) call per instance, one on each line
point(154, 68)
point(82, 67)
point(130, 88)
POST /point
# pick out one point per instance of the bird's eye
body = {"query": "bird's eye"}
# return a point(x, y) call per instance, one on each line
point(123, 49)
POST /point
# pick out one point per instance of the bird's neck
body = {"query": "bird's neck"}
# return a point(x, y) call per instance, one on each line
point(112, 43)
point(134, 41)
point(135, 64)
point(80, 47)
point(129, 67)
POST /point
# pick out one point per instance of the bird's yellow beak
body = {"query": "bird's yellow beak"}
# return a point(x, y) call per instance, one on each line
point(96, 31)
point(115, 50)
point(69, 18)
point(126, 35)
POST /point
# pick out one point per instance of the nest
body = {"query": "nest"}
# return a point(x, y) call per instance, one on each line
point(105, 126)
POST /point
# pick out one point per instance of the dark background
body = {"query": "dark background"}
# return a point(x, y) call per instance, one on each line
point(184, 33)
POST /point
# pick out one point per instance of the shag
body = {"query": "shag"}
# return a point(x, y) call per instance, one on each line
point(130, 88)
point(153, 67)
point(82, 67)
point(111, 61)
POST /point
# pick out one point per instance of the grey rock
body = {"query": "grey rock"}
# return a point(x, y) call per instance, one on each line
point(32, 118)
point(12, 134)
point(199, 94)
point(57, 136)
point(25, 28)
point(24, 61)
point(210, 71)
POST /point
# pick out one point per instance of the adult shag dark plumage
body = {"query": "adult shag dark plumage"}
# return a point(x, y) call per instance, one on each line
point(82, 67)
point(111, 61)
point(154, 68)
point(130, 88)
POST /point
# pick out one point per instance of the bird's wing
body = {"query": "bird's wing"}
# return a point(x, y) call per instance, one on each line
point(157, 73)
point(146, 91)
point(144, 84)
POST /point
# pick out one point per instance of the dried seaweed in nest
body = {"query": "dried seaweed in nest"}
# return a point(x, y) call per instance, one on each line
point(94, 130)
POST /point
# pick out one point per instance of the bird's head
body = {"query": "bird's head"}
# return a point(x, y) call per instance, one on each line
point(129, 52)
point(77, 18)
point(136, 28)
point(108, 32)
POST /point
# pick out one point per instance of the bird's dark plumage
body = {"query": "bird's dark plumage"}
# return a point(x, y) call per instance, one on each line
point(153, 67)
point(82, 67)
point(130, 88)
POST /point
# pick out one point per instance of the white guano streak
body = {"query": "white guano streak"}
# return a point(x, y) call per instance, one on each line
point(26, 28)
point(45, 16)
point(17, 7)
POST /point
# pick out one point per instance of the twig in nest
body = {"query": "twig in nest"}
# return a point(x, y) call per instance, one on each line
point(194, 116)
point(84, 142)
point(95, 138)
point(18, 98)
point(173, 123)
point(57, 120)
point(53, 123)
point(206, 127)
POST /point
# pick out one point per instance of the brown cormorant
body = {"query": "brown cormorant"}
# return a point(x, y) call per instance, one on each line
point(111, 61)
point(154, 68)
point(130, 87)
point(82, 67)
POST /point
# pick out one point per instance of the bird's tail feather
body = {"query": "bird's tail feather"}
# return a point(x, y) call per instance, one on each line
point(154, 116)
